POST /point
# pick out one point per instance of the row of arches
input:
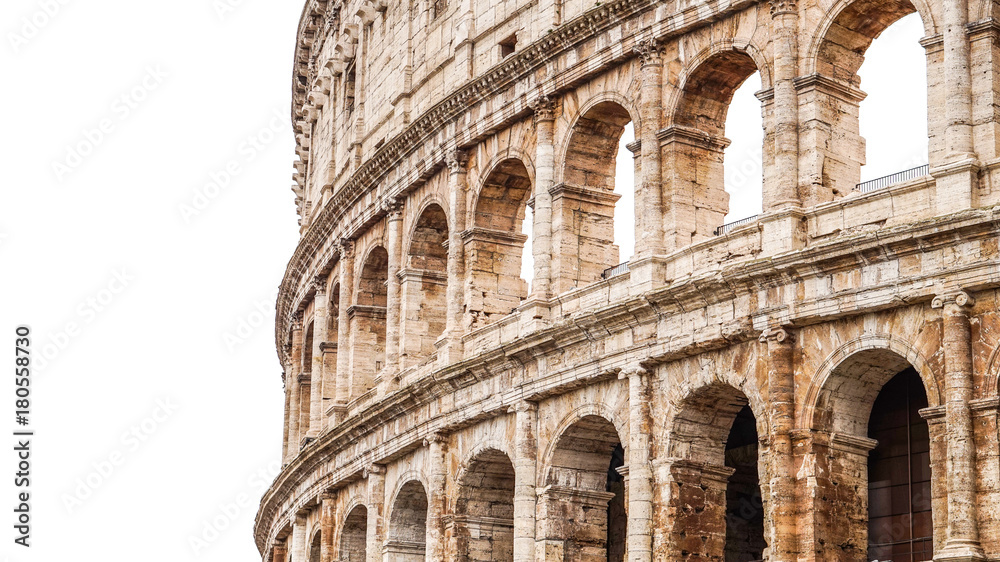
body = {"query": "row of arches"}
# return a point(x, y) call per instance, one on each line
point(717, 488)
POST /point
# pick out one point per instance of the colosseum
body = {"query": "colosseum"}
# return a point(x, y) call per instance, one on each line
point(816, 382)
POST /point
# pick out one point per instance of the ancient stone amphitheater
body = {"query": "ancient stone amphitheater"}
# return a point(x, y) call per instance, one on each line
point(818, 382)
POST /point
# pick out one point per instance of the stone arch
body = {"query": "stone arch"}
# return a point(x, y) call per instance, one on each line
point(583, 203)
point(826, 378)
point(484, 507)
point(715, 490)
point(424, 284)
point(583, 498)
point(831, 94)
point(494, 245)
point(837, 409)
point(368, 320)
point(991, 377)
point(694, 143)
point(407, 533)
point(354, 535)
point(315, 545)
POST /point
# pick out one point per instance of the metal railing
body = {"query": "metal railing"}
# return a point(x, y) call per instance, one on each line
point(615, 271)
point(728, 227)
point(892, 179)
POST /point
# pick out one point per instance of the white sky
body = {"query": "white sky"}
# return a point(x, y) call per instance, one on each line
point(104, 244)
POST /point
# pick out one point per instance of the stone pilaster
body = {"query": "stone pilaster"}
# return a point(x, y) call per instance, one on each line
point(649, 235)
point(343, 394)
point(781, 471)
point(294, 397)
point(457, 161)
point(298, 551)
point(327, 516)
point(525, 467)
point(640, 474)
point(784, 24)
point(287, 383)
point(279, 553)
point(963, 525)
point(541, 246)
point(375, 474)
point(436, 501)
point(393, 243)
point(316, 376)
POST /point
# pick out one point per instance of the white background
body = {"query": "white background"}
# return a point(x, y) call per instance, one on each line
point(146, 259)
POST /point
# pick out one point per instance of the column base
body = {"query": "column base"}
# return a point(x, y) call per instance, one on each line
point(961, 552)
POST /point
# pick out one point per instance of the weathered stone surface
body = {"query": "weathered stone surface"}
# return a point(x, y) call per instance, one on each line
point(711, 400)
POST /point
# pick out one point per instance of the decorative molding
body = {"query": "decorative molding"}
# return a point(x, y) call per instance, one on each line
point(779, 7)
point(457, 160)
point(777, 335)
point(544, 108)
point(650, 52)
point(958, 298)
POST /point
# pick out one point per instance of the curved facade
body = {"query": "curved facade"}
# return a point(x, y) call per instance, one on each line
point(818, 382)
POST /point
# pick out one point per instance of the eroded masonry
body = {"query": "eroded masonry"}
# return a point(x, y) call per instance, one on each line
point(818, 382)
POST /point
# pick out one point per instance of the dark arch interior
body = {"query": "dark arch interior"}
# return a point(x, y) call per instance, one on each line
point(353, 537)
point(314, 548)
point(485, 509)
point(709, 90)
point(899, 473)
point(408, 522)
point(501, 203)
point(427, 247)
point(849, 36)
point(371, 285)
point(590, 158)
point(744, 504)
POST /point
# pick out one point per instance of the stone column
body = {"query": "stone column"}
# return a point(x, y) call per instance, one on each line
point(298, 551)
point(640, 472)
point(649, 235)
point(784, 192)
point(279, 553)
point(375, 474)
point(393, 234)
point(327, 516)
point(346, 248)
point(294, 398)
point(316, 376)
point(286, 381)
point(781, 401)
point(436, 499)
point(963, 527)
point(457, 161)
point(541, 245)
point(525, 496)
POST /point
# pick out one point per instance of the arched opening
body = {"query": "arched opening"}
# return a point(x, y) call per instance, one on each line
point(696, 145)
point(407, 540)
point(484, 510)
point(900, 526)
point(744, 157)
point(424, 286)
point(305, 382)
point(626, 169)
point(715, 490)
point(583, 205)
point(870, 406)
point(368, 322)
point(895, 120)
point(585, 505)
point(314, 547)
point(494, 245)
point(353, 537)
point(744, 504)
point(330, 347)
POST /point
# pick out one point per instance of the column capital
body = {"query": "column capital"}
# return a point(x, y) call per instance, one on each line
point(779, 7)
point(319, 284)
point(958, 298)
point(544, 108)
point(456, 160)
point(632, 371)
point(376, 469)
point(345, 248)
point(439, 437)
point(522, 406)
point(297, 321)
point(393, 208)
point(777, 335)
point(650, 51)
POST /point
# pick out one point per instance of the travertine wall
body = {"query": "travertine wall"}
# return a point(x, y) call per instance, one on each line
point(440, 408)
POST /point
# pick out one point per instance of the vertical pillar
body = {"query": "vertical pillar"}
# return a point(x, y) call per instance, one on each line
point(457, 161)
point(541, 246)
point(346, 248)
point(298, 551)
point(279, 552)
point(316, 377)
point(294, 416)
point(781, 401)
point(956, 178)
point(784, 192)
point(649, 236)
point(640, 472)
point(375, 474)
point(394, 216)
point(436, 500)
point(327, 515)
point(525, 497)
point(286, 382)
point(962, 543)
